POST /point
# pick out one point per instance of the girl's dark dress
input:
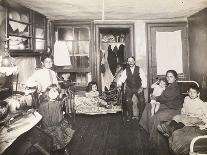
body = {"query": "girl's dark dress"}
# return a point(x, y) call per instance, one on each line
point(54, 123)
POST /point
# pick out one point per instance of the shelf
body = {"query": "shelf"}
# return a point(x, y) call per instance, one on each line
point(26, 31)
point(4, 89)
point(81, 70)
point(74, 40)
point(40, 38)
point(26, 53)
point(113, 42)
point(22, 36)
point(80, 55)
point(19, 21)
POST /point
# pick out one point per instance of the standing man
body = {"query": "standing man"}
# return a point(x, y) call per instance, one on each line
point(135, 82)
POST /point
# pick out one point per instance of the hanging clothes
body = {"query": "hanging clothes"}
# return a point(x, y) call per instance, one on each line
point(112, 60)
point(120, 54)
point(106, 77)
point(61, 54)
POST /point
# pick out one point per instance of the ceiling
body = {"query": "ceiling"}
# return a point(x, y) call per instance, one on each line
point(115, 9)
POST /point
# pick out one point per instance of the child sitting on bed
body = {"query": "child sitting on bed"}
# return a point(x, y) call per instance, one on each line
point(158, 87)
point(92, 93)
point(51, 108)
point(92, 89)
point(193, 113)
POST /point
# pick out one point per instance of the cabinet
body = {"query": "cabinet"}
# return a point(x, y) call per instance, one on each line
point(78, 41)
point(26, 30)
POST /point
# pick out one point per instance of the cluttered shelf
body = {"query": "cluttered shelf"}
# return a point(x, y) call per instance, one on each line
point(26, 31)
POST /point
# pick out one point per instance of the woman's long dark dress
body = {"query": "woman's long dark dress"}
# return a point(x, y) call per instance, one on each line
point(171, 102)
point(54, 123)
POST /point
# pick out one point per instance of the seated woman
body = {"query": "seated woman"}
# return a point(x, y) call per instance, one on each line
point(51, 108)
point(170, 105)
point(44, 77)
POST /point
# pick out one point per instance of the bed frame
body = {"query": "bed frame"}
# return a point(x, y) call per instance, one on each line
point(71, 107)
point(199, 143)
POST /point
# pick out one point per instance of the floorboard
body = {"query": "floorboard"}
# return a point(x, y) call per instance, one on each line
point(108, 135)
point(101, 135)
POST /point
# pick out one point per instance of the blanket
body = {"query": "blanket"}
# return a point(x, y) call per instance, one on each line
point(93, 106)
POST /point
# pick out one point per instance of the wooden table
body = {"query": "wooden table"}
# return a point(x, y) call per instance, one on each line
point(8, 134)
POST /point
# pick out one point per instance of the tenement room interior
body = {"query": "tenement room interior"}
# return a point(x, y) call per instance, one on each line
point(81, 77)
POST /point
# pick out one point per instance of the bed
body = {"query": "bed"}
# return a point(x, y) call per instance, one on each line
point(189, 140)
point(108, 102)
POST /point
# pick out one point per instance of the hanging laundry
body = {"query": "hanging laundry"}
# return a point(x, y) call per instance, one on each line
point(14, 25)
point(120, 54)
point(61, 54)
point(106, 77)
point(21, 27)
point(115, 50)
point(112, 60)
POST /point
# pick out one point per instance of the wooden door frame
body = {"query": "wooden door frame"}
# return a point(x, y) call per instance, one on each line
point(96, 55)
point(149, 27)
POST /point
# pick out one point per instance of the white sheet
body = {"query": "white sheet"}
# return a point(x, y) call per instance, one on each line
point(61, 54)
point(169, 52)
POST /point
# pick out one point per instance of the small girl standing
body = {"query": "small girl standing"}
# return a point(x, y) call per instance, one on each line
point(51, 108)
point(158, 87)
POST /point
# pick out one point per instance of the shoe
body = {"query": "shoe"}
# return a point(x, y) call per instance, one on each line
point(163, 130)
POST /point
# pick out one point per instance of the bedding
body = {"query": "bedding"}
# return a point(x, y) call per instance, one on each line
point(180, 140)
point(93, 106)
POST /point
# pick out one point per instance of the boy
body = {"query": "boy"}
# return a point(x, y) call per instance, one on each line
point(193, 113)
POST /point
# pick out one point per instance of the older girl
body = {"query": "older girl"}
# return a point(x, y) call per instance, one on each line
point(44, 77)
point(51, 108)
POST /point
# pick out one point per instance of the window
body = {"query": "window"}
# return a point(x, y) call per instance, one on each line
point(40, 36)
point(77, 40)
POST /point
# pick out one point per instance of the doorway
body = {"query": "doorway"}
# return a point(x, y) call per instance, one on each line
point(167, 49)
point(114, 43)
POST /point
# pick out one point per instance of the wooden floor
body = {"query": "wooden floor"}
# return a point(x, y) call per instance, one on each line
point(100, 135)
point(107, 135)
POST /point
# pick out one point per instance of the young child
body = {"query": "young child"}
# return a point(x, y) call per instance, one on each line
point(93, 94)
point(92, 89)
point(193, 113)
point(51, 108)
point(158, 87)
